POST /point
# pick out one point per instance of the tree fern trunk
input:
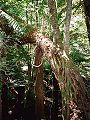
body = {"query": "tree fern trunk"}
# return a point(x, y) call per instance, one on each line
point(39, 84)
point(68, 76)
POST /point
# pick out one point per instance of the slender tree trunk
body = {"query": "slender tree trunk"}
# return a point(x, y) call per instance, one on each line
point(57, 101)
point(67, 38)
point(87, 16)
point(39, 84)
point(43, 26)
point(36, 4)
point(54, 23)
point(67, 25)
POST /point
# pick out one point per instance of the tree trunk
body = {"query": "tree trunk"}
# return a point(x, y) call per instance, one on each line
point(87, 16)
point(39, 84)
point(67, 75)
point(54, 23)
point(67, 25)
point(36, 4)
point(57, 101)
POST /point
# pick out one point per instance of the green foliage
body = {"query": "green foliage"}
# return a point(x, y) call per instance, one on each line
point(47, 66)
point(14, 61)
point(77, 56)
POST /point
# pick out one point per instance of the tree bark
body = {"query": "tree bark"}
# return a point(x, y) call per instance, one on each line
point(54, 23)
point(39, 84)
point(67, 25)
point(87, 16)
point(57, 101)
point(66, 73)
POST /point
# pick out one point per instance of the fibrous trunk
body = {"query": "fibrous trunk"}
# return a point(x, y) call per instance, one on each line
point(39, 83)
point(66, 73)
point(70, 81)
